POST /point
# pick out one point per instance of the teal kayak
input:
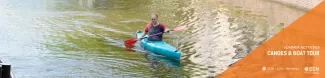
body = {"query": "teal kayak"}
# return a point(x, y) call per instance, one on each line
point(159, 47)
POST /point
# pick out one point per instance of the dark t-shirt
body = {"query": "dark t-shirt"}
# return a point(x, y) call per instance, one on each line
point(154, 32)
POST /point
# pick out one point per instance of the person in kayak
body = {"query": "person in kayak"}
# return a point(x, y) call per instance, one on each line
point(154, 29)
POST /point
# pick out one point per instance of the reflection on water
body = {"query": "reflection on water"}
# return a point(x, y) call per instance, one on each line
point(84, 38)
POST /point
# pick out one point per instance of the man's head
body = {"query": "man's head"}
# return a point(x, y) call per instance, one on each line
point(154, 18)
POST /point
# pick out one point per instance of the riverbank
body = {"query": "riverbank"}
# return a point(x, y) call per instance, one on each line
point(6, 70)
point(300, 4)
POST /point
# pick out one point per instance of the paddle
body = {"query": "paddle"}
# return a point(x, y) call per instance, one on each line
point(130, 42)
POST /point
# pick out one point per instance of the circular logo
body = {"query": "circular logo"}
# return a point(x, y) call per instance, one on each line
point(264, 68)
point(306, 68)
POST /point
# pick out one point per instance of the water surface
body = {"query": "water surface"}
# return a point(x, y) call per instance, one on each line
point(84, 38)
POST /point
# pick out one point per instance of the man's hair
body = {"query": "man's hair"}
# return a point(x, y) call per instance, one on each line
point(154, 14)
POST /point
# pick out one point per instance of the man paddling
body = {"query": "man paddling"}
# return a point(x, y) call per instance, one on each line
point(154, 29)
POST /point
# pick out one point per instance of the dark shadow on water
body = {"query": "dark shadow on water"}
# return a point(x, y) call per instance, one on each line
point(164, 67)
point(159, 66)
point(155, 59)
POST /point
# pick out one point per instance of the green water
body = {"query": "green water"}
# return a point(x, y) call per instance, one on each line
point(84, 38)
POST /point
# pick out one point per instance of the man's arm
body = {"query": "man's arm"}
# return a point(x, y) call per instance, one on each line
point(166, 30)
point(145, 33)
point(146, 29)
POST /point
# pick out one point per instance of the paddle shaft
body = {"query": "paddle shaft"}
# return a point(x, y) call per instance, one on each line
point(155, 34)
point(130, 42)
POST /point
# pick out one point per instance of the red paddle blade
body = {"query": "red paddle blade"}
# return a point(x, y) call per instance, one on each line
point(179, 28)
point(129, 43)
